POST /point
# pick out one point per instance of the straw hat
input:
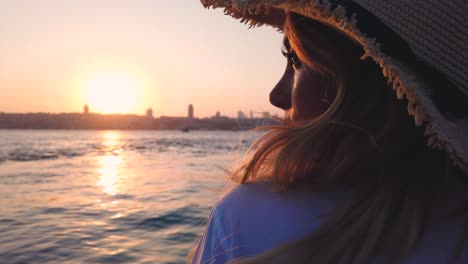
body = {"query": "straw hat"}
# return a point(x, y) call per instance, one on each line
point(416, 42)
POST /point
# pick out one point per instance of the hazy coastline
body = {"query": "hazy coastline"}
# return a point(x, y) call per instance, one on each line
point(95, 121)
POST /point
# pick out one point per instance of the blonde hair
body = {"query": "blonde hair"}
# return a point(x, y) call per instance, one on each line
point(366, 143)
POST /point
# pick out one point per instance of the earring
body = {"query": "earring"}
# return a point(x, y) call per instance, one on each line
point(325, 97)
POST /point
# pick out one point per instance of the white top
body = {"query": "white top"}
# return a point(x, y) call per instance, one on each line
point(253, 218)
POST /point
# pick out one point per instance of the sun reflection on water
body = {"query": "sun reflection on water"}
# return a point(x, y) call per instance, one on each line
point(112, 143)
point(109, 173)
point(110, 164)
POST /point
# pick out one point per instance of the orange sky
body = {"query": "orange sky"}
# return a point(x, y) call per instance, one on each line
point(126, 56)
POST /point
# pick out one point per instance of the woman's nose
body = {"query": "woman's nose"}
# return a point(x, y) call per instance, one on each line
point(280, 96)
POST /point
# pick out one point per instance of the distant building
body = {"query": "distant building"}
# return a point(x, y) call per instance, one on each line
point(149, 112)
point(86, 109)
point(190, 112)
point(240, 115)
point(266, 115)
point(251, 114)
point(218, 114)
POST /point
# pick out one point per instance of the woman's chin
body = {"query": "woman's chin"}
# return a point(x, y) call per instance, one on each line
point(291, 116)
point(288, 116)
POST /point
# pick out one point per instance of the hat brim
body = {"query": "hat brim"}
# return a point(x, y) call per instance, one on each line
point(442, 133)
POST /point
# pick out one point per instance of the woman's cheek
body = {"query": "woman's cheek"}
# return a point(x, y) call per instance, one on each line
point(308, 94)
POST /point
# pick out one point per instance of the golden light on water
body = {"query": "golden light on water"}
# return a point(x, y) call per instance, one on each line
point(109, 174)
point(111, 138)
point(111, 164)
point(111, 143)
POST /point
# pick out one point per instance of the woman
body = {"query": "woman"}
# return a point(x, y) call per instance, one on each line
point(355, 179)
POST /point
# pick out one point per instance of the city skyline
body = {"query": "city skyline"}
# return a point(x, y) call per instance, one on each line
point(89, 120)
point(125, 57)
point(86, 109)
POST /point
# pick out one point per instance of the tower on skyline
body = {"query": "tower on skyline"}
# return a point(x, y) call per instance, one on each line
point(240, 115)
point(149, 112)
point(86, 109)
point(190, 112)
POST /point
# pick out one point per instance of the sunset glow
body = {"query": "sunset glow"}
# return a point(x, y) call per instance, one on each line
point(112, 91)
point(118, 57)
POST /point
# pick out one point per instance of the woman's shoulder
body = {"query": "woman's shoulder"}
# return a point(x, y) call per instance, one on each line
point(259, 205)
point(256, 217)
point(259, 192)
point(251, 191)
point(239, 199)
point(246, 196)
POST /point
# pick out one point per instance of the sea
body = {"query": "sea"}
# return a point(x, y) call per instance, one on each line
point(71, 196)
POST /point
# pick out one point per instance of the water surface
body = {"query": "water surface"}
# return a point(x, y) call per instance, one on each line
point(109, 196)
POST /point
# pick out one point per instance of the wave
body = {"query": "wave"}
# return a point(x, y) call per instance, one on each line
point(33, 154)
point(187, 216)
point(193, 146)
point(54, 210)
point(182, 237)
point(197, 147)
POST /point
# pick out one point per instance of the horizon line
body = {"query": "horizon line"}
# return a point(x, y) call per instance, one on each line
point(257, 114)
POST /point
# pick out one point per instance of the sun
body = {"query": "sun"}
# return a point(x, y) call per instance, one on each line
point(112, 91)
